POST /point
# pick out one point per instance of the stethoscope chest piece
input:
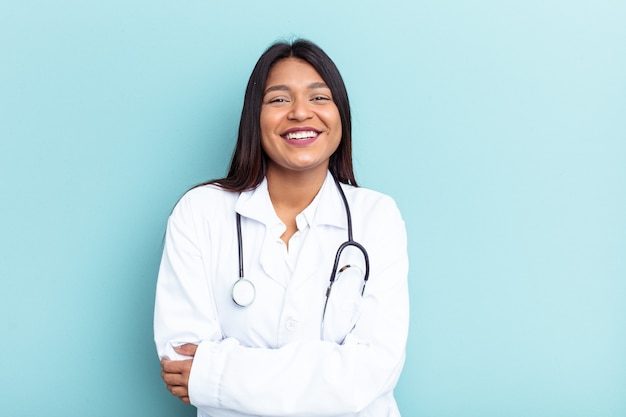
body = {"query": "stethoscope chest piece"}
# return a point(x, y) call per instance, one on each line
point(243, 292)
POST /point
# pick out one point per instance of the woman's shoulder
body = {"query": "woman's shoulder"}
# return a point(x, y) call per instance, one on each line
point(211, 192)
point(367, 196)
point(370, 205)
point(206, 199)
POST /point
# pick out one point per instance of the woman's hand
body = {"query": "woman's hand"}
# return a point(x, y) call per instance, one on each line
point(175, 374)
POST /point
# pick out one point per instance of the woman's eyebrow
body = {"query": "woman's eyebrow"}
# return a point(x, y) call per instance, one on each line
point(313, 86)
point(282, 87)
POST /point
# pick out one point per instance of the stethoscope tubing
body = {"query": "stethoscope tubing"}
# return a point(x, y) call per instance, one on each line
point(243, 283)
point(240, 246)
point(333, 274)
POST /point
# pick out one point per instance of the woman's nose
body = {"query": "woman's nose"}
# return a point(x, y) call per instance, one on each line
point(300, 110)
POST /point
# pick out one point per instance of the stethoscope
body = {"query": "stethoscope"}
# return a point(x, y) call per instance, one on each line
point(244, 292)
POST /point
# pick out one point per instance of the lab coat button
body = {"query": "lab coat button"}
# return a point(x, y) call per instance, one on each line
point(291, 324)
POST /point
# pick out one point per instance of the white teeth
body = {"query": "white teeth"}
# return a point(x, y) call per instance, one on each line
point(301, 135)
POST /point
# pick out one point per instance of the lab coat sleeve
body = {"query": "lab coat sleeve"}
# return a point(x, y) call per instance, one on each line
point(182, 313)
point(319, 378)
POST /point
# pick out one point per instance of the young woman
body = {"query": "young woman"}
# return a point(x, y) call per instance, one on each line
point(283, 286)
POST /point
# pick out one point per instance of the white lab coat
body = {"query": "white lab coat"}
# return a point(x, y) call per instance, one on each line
point(268, 359)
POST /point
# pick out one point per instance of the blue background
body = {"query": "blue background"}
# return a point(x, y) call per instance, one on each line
point(498, 126)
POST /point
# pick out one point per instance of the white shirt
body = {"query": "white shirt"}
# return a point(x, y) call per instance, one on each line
point(269, 359)
point(295, 242)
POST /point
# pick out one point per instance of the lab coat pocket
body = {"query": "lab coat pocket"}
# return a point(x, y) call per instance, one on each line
point(343, 307)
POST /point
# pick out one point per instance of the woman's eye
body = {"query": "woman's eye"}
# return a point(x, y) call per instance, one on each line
point(321, 98)
point(277, 100)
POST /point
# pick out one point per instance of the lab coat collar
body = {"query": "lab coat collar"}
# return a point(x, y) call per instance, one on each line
point(327, 210)
point(256, 204)
point(330, 208)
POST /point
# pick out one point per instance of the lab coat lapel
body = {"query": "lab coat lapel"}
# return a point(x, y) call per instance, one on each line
point(329, 225)
point(311, 260)
point(273, 262)
point(256, 205)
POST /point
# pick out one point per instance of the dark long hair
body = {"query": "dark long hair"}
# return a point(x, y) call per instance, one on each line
point(249, 162)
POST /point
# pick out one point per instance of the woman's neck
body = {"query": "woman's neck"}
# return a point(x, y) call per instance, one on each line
point(291, 193)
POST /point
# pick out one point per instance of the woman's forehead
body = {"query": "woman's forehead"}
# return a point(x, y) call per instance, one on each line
point(294, 71)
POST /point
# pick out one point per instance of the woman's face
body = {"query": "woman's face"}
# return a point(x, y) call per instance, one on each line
point(300, 123)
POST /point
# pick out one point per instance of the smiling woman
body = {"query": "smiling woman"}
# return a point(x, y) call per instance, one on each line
point(278, 343)
point(300, 123)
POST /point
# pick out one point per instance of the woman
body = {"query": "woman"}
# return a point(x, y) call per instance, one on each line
point(247, 325)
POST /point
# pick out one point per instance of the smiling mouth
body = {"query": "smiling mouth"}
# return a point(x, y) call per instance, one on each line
point(301, 135)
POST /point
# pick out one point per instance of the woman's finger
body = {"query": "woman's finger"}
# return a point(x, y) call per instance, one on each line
point(176, 367)
point(188, 349)
point(174, 379)
point(178, 391)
